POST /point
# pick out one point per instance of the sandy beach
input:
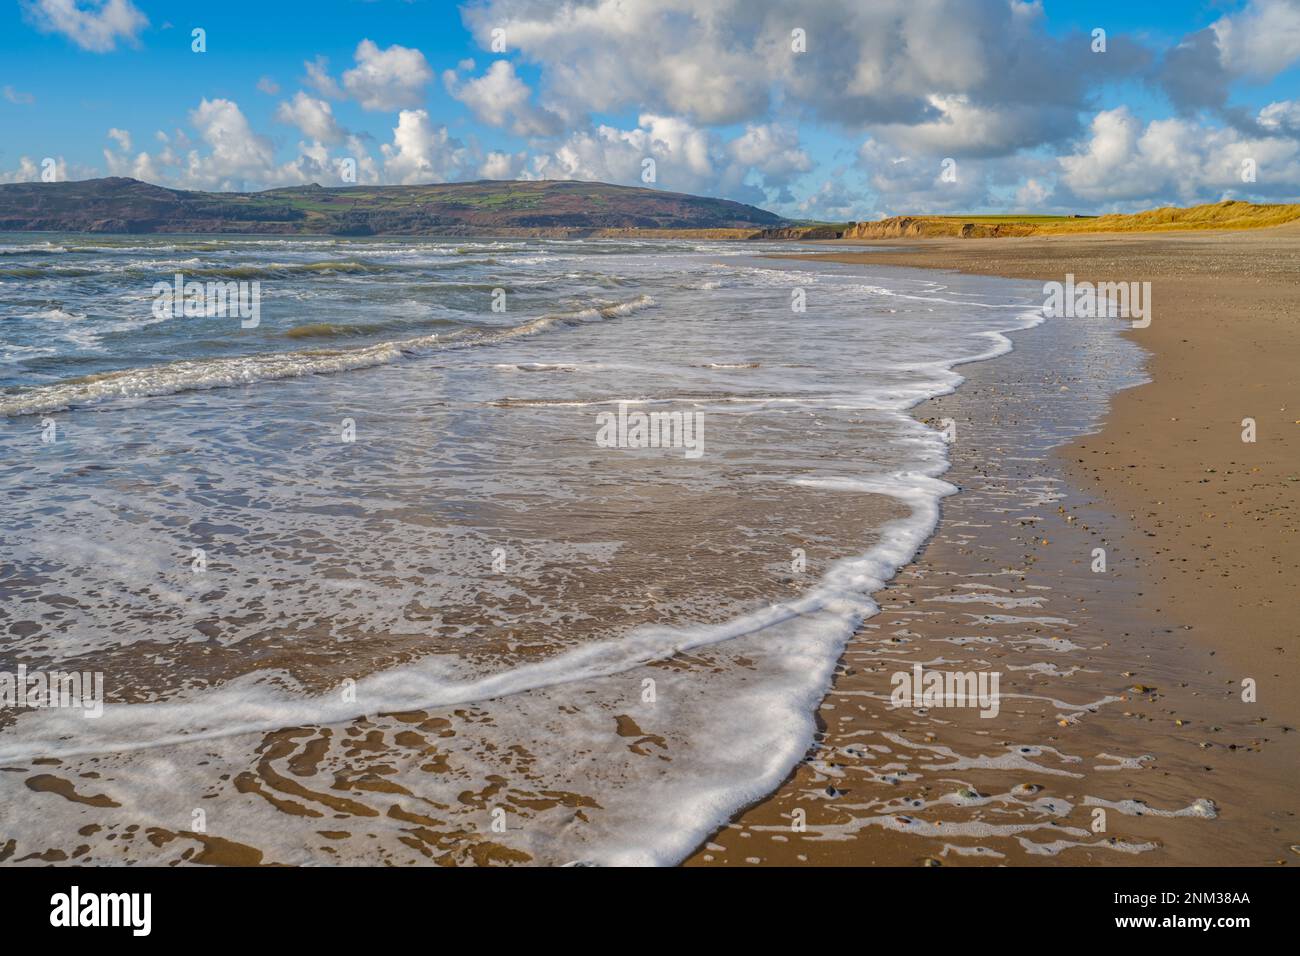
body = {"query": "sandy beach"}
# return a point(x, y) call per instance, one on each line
point(534, 649)
point(1219, 514)
point(1147, 722)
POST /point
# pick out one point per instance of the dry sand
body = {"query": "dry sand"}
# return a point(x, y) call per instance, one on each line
point(1134, 707)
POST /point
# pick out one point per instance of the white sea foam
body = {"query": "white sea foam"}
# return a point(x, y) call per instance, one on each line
point(735, 733)
point(270, 366)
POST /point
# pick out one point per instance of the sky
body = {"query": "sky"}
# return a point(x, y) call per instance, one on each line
point(814, 109)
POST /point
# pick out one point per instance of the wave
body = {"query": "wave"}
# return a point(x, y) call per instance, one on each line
point(59, 314)
point(272, 271)
point(283, 270)
point(38, 272)
point(192, 375)
point(827, 613)
point(46, 250)
point(342, 330)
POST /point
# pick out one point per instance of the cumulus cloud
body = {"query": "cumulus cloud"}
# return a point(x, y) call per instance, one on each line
point(1255, 43)
point(422, 152)
point(833, 201)
point(684, 154)
point(960, 127)
point(717, 62)
point(268, 86)
point(314, 117)
point(756, 166)
point(1281, 118)
point(227, 154)
point(500, 98)
point(1262, 40)
point(917, 183)
point(1178, 160)
point(387, 79)
point(27, 172)
point(95, 25)
point(235, 153)
point(771, 149)
point(1031, 196)
point(605, 55)
point(30, 170)
point(318, 78)
point(503, 165)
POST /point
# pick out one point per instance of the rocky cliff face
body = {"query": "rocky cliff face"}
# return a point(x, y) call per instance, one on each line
point(913, 227)
point(801, 232)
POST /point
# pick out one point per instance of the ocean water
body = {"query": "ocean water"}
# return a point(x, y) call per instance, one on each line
point(369, 562)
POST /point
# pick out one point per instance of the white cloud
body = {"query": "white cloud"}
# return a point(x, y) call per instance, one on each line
point(95, 25)
point(960, 127)
point(268, 86)
point(1257, 42)
point(27, 172)
point(422, 152)
point(719, 62)
point(754, 167)
point(833, 201)
point(18, 98)
point(908, 184)
point(236, 156)
point(1031, 196)
point(684, 154)
point(1281, 117)
point(315, 118)
point(142, 166)
point(1262, 40)
point(500, 98)
point(367, 171)
point(227, 154)
point(1177, 160)
point(771, 149)
point(502, 165)
point(319, 79)
point(387, 79)
point(610, 54)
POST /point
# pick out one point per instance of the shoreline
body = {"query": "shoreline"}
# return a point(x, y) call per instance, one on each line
point(1196, 395)
point(1151, 617)
point(1095, 679)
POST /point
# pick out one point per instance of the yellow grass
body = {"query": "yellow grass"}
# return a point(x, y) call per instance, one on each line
point(1229, 214)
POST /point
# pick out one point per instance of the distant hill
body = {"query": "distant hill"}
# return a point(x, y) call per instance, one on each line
point(548, 207)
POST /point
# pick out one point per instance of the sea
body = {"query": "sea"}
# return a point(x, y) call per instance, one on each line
point(448, 550)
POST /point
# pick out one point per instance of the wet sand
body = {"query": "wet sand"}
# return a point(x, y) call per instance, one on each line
point(1128, 740)
point(1220, 515)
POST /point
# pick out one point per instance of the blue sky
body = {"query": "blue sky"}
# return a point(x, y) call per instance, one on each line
point(1189, 102)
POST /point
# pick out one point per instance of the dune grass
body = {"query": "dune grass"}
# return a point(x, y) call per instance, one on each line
point(1229, 214)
